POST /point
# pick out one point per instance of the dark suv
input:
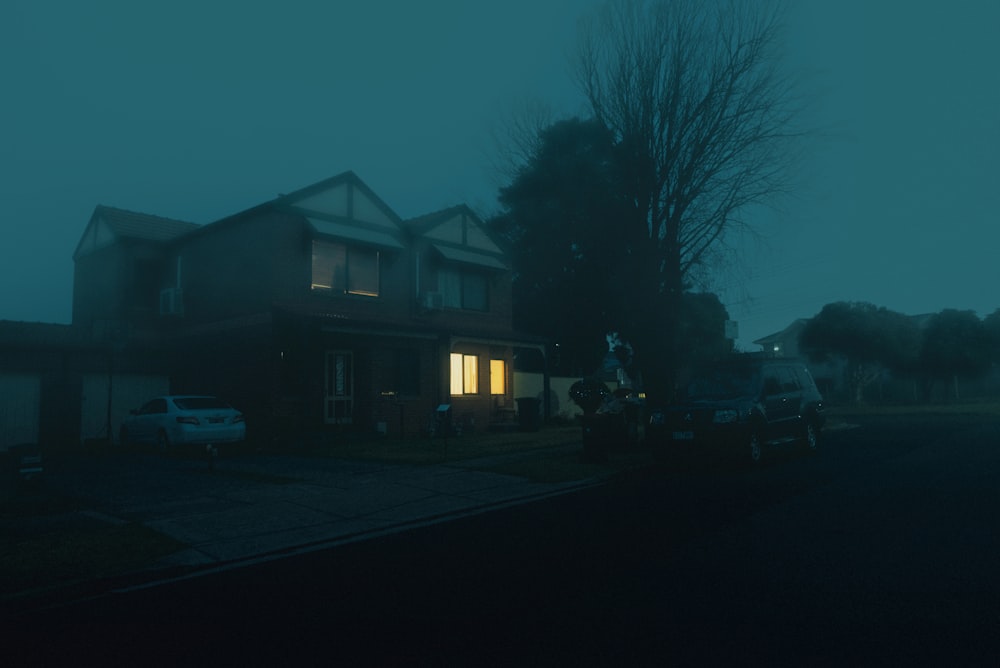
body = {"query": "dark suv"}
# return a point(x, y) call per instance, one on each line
point(741, 406)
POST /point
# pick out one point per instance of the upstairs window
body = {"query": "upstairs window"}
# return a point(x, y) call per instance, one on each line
point(345, 270)
point(463, 289)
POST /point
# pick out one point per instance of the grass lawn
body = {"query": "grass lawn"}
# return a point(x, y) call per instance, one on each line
point(83, 552)
point(50, 541)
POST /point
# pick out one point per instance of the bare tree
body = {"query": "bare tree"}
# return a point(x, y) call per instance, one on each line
point(517, 137)
point(694, 92)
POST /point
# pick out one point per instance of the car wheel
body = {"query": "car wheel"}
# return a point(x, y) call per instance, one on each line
point(755, 451)
point(162, 441)
point(812, 436)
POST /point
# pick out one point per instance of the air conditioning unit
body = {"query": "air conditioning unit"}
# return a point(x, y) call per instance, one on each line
point(172, 301)
point(432, 301)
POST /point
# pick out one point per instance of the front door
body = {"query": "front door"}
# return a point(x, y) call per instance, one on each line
point(339, 399)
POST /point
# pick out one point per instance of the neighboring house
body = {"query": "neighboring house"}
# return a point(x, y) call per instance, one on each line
point(828, 375)
point(318, 310)
point(784, 343)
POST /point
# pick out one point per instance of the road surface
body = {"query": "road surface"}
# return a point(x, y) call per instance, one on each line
point(883, 549)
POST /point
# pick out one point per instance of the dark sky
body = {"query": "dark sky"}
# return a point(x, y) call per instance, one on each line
point(195, 110)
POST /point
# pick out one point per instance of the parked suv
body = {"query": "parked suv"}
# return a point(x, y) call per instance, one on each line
point(742, 406)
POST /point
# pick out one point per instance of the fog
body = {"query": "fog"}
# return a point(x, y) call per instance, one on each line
point(195, 111)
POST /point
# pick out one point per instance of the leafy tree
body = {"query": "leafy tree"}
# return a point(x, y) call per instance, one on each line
point(575, 275)
point(558, 222)
point(701, 121)
point(702, 327)
point(871, 339)
point(956, 345)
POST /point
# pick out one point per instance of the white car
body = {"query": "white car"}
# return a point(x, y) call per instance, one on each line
point(183, 420)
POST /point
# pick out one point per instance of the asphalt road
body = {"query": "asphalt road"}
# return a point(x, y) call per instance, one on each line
point(881, 550)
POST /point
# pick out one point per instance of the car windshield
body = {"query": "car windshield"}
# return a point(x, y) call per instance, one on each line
point(722, 383)
point(199, 403)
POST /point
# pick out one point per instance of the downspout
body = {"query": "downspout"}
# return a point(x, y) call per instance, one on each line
point(546, 385)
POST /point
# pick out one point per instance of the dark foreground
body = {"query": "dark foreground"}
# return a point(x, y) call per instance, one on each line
point(882, 550)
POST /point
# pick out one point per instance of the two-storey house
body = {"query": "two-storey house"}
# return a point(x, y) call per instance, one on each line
point(319, 310)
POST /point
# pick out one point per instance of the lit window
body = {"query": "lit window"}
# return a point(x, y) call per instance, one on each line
point(464, 374)
point(337, 268)
point(498, 377)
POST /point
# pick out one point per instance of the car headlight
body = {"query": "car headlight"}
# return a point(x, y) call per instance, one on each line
point(726, 416)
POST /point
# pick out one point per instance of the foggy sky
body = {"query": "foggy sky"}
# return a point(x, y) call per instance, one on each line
point(196, 110)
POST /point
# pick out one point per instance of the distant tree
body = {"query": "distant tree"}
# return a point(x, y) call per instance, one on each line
point(991, 324)
point(956, 345)
point(701, 118)
point(870, 338)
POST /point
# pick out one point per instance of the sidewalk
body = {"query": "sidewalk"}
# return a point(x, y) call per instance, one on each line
point(255, 507)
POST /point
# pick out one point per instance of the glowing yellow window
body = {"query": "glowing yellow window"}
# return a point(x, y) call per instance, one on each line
point(498, 377)
point(464, 374)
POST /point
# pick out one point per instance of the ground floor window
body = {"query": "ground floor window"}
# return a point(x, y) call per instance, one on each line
point(464, 374)
point(498, 377)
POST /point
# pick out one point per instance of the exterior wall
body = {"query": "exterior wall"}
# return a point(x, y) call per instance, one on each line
point(120, 282)
point(393, 304)
point(233, 360)
point(242, 265)
point(477, 411)
point(424, 279)
point(529, 384)
point(99, 285)
point(263, 258)
point(376, 374)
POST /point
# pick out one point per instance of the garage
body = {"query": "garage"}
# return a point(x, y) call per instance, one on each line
point(126, 391)
point(20, 398)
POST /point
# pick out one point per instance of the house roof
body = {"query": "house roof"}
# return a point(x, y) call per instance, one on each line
point(421, 224)
point(464, 256)
point(793, 328)
point(459, 235)
point(342, 196)
point(40, 334)
point(108, 224)
point(364, 235)
point(457, 223)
